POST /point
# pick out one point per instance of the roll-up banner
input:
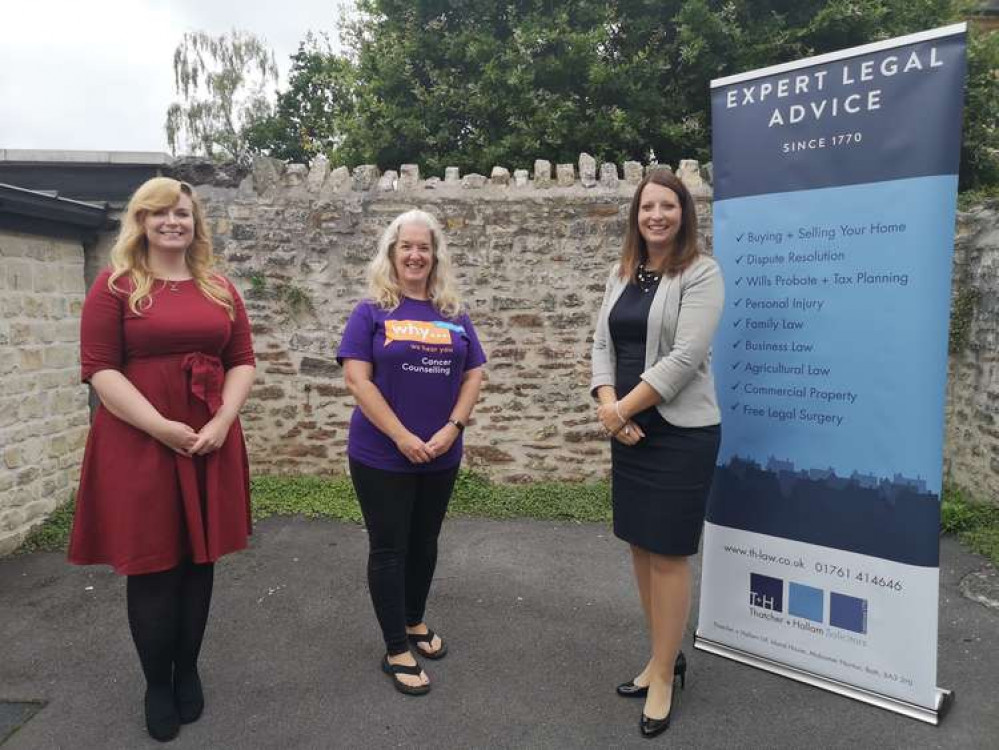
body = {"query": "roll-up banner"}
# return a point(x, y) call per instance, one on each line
point(834, 208)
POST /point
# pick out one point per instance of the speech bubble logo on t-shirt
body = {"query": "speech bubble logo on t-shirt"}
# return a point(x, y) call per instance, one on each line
point(416, 330)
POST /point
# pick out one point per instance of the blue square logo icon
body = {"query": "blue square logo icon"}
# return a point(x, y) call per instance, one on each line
point(848, 612)
point(805, 601)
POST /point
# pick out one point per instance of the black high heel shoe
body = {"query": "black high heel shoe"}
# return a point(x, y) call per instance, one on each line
point(651, 727)
point(631, 690)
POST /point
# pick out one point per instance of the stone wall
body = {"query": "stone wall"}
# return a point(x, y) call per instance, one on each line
point(532, 251)
point(43, 408)
point(972, 455)
point(532, 257)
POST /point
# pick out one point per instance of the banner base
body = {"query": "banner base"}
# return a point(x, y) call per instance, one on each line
point(933, 716)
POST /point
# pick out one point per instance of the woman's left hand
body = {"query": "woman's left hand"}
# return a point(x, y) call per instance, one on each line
point(607, 414)
point(211, 436)
point(442, 440)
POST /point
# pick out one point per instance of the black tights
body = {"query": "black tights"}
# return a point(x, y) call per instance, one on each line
point(403, 513)
point(167, 613)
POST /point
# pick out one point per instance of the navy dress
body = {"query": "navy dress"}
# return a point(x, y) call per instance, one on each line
point(659, 485)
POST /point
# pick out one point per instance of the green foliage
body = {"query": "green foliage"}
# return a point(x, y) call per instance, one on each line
point(980, 153)
point(474, 83)
point(223, 82)
point(52, 535)
point(309, 112)
point(313, 497)
point(971, 198)
point(474, 495)
point(961, 316)
point(296, 299)
point(258, 284)
point(975, 523)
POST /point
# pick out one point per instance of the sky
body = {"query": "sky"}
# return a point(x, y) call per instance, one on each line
point(98, 74)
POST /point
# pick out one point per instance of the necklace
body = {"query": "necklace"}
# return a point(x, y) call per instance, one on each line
point(647, 280)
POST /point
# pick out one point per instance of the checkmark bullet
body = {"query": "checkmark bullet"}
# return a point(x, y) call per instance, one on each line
point(738, 281)
point(736, 365)
point(736, 344)
point(736, 385)
point(737, 323)
point(738, 237)
point(738, 302)
point(735, 406)
point(739, 259)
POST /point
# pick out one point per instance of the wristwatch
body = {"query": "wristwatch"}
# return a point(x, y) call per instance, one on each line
point(457, 424)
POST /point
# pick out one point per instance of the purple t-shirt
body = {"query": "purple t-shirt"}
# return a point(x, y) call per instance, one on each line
point(418, 359)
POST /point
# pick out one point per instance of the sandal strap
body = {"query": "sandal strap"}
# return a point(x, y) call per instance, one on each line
point(404, 668)
point(427, 637)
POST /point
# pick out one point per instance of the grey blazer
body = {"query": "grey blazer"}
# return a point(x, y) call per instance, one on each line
point(682, 322)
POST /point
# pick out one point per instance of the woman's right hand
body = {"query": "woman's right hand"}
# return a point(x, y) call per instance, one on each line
point(414, 449)
point(630, 434)
point(176, 436)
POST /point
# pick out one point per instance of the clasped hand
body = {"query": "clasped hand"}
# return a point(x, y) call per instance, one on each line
point(626, 432)
point(182, 439)
point(419, 452)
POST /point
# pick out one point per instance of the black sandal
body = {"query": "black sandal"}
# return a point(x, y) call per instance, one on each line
point(393, 669)
point(417, 638)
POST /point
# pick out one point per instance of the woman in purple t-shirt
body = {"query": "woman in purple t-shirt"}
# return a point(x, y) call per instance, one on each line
point(414, 365)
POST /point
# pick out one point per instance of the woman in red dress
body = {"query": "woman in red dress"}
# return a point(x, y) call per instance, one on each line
point(164, 488)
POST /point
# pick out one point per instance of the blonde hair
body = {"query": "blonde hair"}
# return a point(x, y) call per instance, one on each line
point(383, 284)
point(130, 254)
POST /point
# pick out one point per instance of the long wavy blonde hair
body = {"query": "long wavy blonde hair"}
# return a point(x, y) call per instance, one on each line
point(130, 254)
point(383, 284)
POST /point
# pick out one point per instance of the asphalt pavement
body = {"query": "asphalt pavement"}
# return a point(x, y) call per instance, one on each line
point(542, 621)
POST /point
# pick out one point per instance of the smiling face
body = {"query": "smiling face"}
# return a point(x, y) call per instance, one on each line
point(170, 230)
point(659, 217)
point(413, 258)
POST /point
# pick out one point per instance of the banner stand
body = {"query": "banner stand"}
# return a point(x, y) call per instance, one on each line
point(933, 716)
point(835, 194)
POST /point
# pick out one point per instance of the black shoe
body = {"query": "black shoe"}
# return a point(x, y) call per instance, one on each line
point(162, 721)
point(188, 695)
point(651, 727)
point(631, 690)
point(417, 638)
point(393, 669)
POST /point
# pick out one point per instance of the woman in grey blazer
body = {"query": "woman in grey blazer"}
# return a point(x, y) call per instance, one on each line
point(652, 378)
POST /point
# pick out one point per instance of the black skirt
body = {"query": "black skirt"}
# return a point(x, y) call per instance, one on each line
point(660, 485)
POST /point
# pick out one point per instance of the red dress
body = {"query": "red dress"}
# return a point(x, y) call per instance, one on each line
point(141, 507)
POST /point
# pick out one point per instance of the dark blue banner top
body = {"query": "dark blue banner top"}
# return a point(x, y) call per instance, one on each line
point(882, 115)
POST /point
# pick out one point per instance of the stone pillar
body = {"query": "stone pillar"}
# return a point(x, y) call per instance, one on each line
point(587, 170)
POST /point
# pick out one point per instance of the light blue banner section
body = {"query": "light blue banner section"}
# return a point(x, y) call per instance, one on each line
point(833, 346)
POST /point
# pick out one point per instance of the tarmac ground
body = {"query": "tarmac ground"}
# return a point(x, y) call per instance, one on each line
point(542, 621)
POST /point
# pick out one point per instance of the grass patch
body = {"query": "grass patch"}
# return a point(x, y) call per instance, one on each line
point(975, 523)
point(52, 534)
point(474, 495)
point(314, 497)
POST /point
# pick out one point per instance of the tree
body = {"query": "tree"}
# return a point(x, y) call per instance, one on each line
point(473, 83)
point(224, 83)
point(308, 115)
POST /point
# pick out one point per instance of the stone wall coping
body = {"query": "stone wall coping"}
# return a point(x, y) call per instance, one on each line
point(270, 174)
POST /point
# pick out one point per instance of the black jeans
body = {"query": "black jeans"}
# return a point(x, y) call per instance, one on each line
point(403, 513)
